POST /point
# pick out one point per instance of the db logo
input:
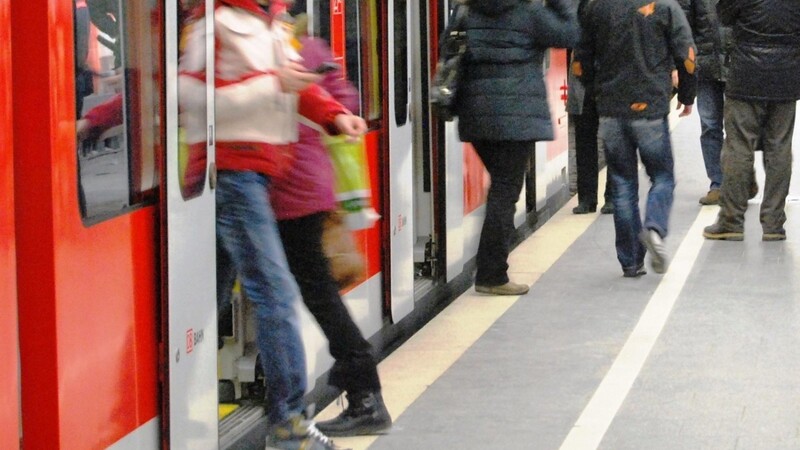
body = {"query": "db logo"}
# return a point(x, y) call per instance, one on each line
point(189, 340)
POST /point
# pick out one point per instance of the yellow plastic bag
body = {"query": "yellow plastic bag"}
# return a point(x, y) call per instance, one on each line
point(352, 181)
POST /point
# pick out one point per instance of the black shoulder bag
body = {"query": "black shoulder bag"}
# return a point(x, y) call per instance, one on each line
point(448, 71)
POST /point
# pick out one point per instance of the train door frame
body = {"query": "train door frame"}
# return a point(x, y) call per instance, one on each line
point(399, 174)
point(10, 412)
point(189, 326)
point(429, 204)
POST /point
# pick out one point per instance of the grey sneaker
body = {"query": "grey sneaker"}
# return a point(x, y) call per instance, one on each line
point(717, 232)
point(658, 252)
point(503, 289)
point(297, 433)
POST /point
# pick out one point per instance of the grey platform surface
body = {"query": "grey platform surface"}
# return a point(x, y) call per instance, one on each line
point(723, 374)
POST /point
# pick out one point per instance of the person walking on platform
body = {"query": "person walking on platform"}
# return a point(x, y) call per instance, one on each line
point(628, 50)
point(302, 199)
point(582, 108)
point(260, 87)
point(713, 44)
point(503, 110)
point(762, 93)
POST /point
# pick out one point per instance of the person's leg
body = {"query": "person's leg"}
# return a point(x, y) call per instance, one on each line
point(777, 145)
point(655, 149)
point(622, 163)
point(743, 123)
point(586, 159)
point(247, 230)
point(505, 161)
point(710, 103)
point(355, 369)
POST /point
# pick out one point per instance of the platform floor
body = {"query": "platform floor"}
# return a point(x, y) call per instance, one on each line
point(706, 356)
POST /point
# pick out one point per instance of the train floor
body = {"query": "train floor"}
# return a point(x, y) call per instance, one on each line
point(705, 356)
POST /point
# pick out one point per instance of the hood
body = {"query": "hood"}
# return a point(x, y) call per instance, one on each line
point(492, 8)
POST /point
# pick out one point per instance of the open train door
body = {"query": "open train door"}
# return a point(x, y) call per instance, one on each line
point(401, 162)
point(189, 271)
point(9, 349)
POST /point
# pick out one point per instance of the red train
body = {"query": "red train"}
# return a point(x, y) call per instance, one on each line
point(108, 328)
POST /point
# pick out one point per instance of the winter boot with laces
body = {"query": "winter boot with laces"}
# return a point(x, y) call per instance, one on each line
point(365, 414)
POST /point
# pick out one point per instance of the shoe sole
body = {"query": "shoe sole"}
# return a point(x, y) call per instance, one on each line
point(773, 237)
point(657, 261)
point(727, 236)
point(491, 291)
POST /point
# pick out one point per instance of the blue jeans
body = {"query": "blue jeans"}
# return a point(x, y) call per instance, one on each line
point(621, 138)
point(248, 244)
point(710, 103)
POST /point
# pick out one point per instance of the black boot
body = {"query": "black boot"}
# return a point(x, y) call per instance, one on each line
point(365, 414)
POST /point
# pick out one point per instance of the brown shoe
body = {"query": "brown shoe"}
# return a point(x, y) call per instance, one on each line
point(719, 233)
point(503, 289)
point(777, 235)
point(712, 198)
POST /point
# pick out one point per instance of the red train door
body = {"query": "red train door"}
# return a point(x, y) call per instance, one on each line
point(88, 132)
point(9, 349)
point(190, 391)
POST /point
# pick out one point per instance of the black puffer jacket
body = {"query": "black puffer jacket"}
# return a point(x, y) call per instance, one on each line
point(502, 93)
point(713, 40)
point(765, 60)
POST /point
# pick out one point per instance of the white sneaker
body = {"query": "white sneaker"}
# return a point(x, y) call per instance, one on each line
point(658, 252)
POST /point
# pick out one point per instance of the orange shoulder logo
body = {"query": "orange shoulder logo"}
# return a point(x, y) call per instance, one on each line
point(638, 107)
point(647, 9)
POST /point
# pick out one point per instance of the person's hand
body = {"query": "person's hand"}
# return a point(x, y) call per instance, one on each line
point(687, 110)
point(294, 77)
point(674, 75)
point(83, 129)
point(350, 124)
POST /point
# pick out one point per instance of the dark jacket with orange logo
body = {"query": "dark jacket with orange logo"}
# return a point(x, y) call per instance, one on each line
point(628, 50)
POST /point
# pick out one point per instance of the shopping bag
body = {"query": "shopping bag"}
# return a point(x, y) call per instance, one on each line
point(347, 263)
point(351, 177)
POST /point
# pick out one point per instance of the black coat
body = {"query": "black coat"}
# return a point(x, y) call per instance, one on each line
point(628, 50)
point(765, 60)
point(502, 93)
point(713, 40)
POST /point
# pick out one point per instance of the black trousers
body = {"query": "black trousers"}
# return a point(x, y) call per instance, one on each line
point(506, 162)
point(355, 368)
point(586, 155)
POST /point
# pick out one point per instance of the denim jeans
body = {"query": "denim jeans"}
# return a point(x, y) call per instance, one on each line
point(506, 162)
point(710, 104)
point(622, 137)
point(248, 244)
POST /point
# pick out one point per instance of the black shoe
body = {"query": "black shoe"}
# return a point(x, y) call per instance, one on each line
point(584, 208)
point(608, 208)
point(635, 272)
point(365, 414)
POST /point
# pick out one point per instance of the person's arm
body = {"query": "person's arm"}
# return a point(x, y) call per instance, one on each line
point(728, 11)
point(684, 52)
point(555, 24)
point(584, 53)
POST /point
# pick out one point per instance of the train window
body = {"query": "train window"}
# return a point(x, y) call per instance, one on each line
point(193, 123)
point(400, 62)
point(118, 62)
point(362, 47)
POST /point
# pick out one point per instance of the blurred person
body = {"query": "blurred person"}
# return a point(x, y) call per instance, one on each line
point(503, 110)
point(628, 51)
point(302, 199)
point(713, 44)
point(259, 88)
point(582, 108)
point(760, 107)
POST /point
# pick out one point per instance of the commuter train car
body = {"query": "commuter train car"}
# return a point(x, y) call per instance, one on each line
point(107, 245)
